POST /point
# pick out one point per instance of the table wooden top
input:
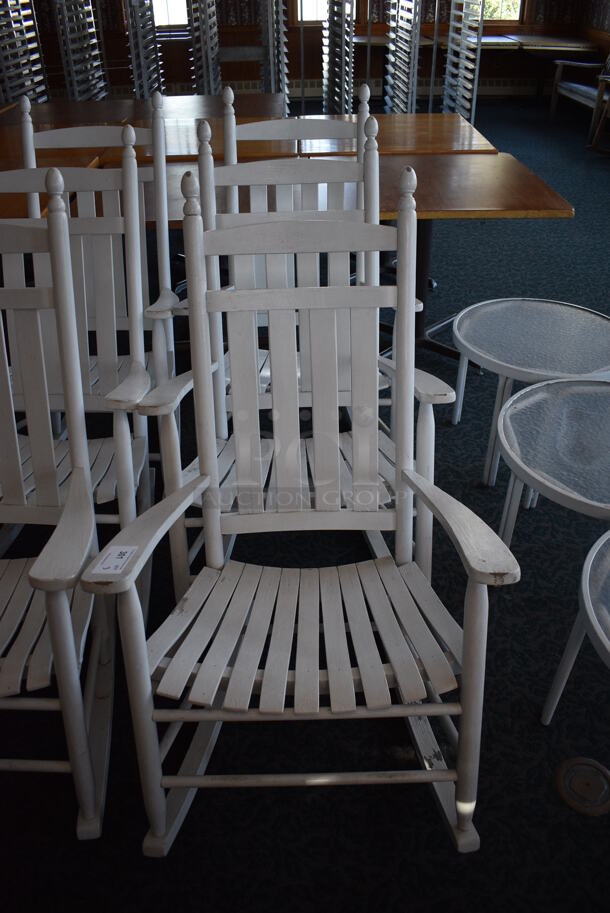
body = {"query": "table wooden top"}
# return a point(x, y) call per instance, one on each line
point(449, 187)
point(553, 43)
point(64, 113)
point(470, 187)
point(406, 134)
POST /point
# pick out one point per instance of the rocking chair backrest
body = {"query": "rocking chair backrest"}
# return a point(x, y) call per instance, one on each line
point(294, 128)
point(105, 242)
point(285, 502)
point(34, 468)
point(105, 137)
point(292, 189)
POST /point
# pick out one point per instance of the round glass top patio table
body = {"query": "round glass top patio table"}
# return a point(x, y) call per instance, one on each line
point(555, 437)
point(528, 340)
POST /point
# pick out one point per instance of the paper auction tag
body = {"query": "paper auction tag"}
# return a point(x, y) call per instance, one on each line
point(115, 560)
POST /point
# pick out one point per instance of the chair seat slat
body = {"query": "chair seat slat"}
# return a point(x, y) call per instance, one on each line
point(273, 691)
point(307, 663)
point(370, 665)
point(342, 694)
point(209, 676)
point(189, 652)
point(247, 663)
point(405, 668)
point(437, 616)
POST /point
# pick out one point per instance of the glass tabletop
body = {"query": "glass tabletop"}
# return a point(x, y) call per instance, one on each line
point(599, 584)
point(534, 339)
point(556, 437)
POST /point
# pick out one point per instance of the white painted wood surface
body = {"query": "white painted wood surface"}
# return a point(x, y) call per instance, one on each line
point(251, 643)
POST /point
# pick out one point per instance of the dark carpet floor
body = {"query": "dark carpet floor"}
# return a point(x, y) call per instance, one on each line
point(385, 848)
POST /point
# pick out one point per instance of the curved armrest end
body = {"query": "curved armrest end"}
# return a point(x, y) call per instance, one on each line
point(61, 561)
point(118, 566)
point(129, 393)
point(431, 389)
point(165, 398)
point(484, 556)
point(164, 306)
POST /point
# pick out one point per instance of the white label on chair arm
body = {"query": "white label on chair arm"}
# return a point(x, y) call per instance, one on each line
point(115, 560)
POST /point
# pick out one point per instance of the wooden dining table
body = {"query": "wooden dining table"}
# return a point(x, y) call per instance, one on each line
point(448, 187)
point(461, 175)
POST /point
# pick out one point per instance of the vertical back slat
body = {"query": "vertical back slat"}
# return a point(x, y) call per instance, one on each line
point(243, 354)
point(338, 274)
point(79, 275)
point(10, 454)
point(143, 250)
point(285, 393)
point(103, 249)
point(284, 202)
point(259, 203)
point(111, 201)
point(335, 198)
point(35, 394)
point(13, 273)
point(43, 279)
point(308, 274)
point(365, 398)
point(325, 402)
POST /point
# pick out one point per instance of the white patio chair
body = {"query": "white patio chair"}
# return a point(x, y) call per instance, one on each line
point(206, 656)
point(39, 647)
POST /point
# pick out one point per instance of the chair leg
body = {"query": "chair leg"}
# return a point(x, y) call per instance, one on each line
point(505, 386)
point(99, 700)
point(125, 481)
point(72, 708)
point(577, 635)
point(424, 463)
point(511, 509)
point(133, 640)
point(473, 680)
point(460, 387)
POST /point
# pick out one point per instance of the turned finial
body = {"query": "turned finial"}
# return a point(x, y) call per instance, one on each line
point(408, 181)
point(204, 131)
point(364, 93)
point(228, 96)
point(157, 101)
point(371, 128)
point(128, 135)
point(190, 192)
point(54, 183)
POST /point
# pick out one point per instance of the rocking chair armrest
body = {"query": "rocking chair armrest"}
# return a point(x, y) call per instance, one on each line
point(165, 398)
point(119, 564)
point(428, 388)
point(604, 77)
point(130, 391)
point(61, 561)
point(485, 557)
point(164, 306)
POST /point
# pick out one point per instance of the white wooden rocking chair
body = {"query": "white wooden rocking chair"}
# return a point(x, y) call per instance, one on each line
point(302, 189)
point(105, 136)
point(34, 644)
point(105, 243)
point(390, 647)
